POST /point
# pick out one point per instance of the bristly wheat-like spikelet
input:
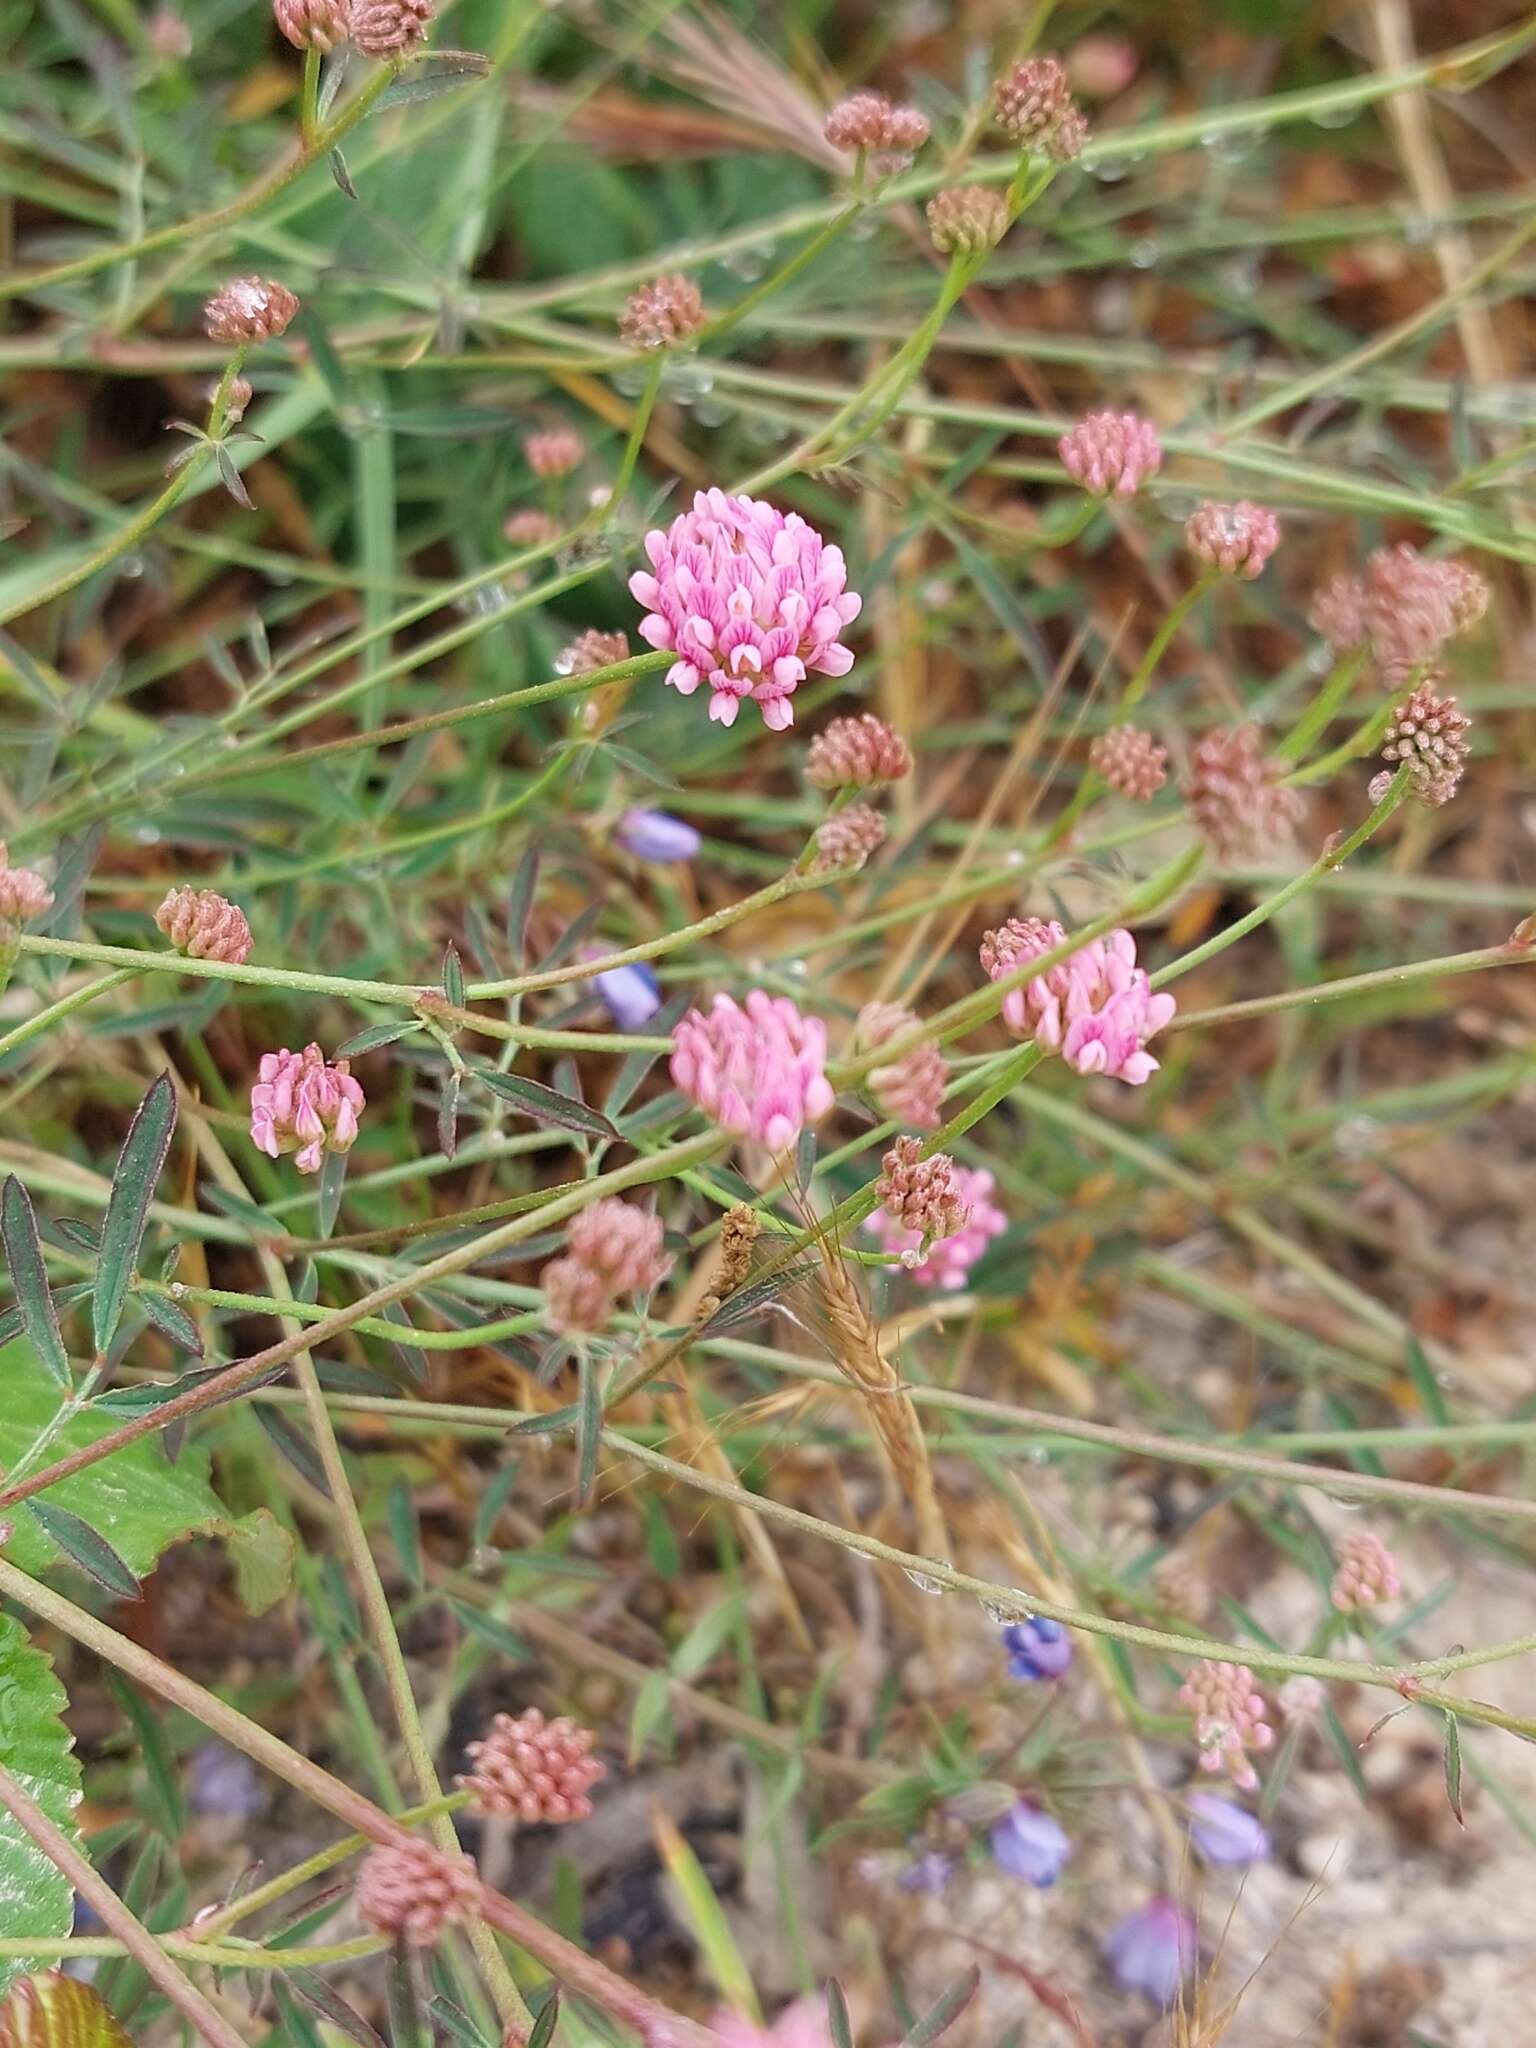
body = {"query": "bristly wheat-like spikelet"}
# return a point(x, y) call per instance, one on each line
point(855, 1344)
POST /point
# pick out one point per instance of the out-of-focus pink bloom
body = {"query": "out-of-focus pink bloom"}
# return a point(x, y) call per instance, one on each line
point(1153, 1950)
point(577, 1299)
point(1367, 1574)
point(1131, 762)
point(313, 24)
point(248, 310)
point(869, 124)
point(205, 925)
point(534, 1770)
point(1229, 1715)
point(801, 2025)
point(848, 838)
point(23, 892)
point(861, 752)
point(1239, 804)
point(1100, 66)
point(1429, 732)
point(749, 600)
point(1412, 604)
point(530, 528)
point(388, 28)
point(410, 1894)
point(1096, 1007)
point(966, 219)
point(929, 1194)
point(1236, 539)
point(1109, 453)
point(910, 1088)
point(757, 1068)
point(1338, 612)
point(591, 650)
point(553, 451)
point(622, 1243)
point(1036, 109)
point(662, 313)
point(303, 1105)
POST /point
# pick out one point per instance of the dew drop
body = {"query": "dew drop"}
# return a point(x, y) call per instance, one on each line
point(934, 1587)
point(1109, 170)
point(1145, 253)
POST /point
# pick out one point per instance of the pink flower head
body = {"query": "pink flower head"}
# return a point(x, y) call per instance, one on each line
point(1411, 604)
point(553, 451)
point(248, 310)
point(848, 838)
point(749, 599)
point(922, 1198)
point(388, 28)
point(530, 1769)
point(531, 528)
point(1236, 539)
point(801, 2025)
point(303, 1105)
point(1367, 1574)
point(662, 313)
point(1131, 762)
point(755, 1068)
point(1109, 453)
point(860, 752)
point(411, 1893)
point(1036, 108)
point(910, 1088)
point(1338, 612)
point(23, 892)
point(1236, 797)
point(1429, 732)
point(205, 926)
point(964, 220)
point(313, 24)
point(622, 1243)
point(577, 1299)
point(1096, 1007)
point(867, 122)
point(1228, 1712)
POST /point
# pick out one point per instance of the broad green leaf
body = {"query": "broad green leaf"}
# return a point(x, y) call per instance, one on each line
point(35, 1747)
point(133, 1189)
point(134, 1500)
point(55, 2011)
point(29, 1276)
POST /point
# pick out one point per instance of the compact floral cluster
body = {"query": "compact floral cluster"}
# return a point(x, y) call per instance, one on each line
point(304, 1104)
point(1036, 110)
point(1236, 796)
point(934, 1216)
point(1428, 736)
point(757, 1069)
point(1095, 1007)
point(409, 1892)
point(1402, 610)
point(378, 28)
point(1233, 540)
point(23, 893)
point(1366, 1576)
point(612, 1249)
point(248, 310)
point(1229, 1716)
point(532, 1770)
point(876, 131)
point(1111, 454)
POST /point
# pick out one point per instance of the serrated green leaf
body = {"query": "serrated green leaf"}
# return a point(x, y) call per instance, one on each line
point(546, 1105)
point(133, 1188)
point(133, 1499)
point(35, 1747)
point(29, 1276)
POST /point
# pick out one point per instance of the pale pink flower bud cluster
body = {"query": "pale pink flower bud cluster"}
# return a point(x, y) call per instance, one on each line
point(1096, 1008)
point(531, 528)
point(1405, 607)
point(388, 28)
point(1429, 732)
point(205, 925)
point(867, 123)
point(966, 219)
point(553, 451)
point(248, 310)
point(860, 752)
point(1366, 1575)
point(1036, 109)
point(1229, 1715)
point(910, 1088)
point(1131, 762)
point(1236, 539)
point(23, 892)
point(935, 1217)
point(757, 1069)
point(662, 313)
point(591, 650)
point(613, 1249)
point(313, 24)
point(411, 1893)
point(749, 599)
point(534, 1770)
point(1110, 453)
point(302, 1104)
point(1301, 1698)
point(1239, 804)
point(848, 838)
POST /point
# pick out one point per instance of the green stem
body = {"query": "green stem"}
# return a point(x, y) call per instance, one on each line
point(309, 103)
point(645, 405)
point(806, 254)
point(65, 1006)
point(1323, 709)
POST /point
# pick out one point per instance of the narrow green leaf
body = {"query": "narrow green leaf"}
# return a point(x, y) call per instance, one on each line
point(342, 175)
point(29, 1276)
point(545, 1105)
point(317, 1994)
point(133, 1189)
point(520, 903)
point(500, 1639)
point(295, 1446)
point(375, 1036)
point(1422, 1373)
point(589, 1427)
point(706, 1917)
point(1453, 1767)
point(443, 71)
point(944, 2011)
point(542, 2031)
point(837, 2015)
point(172, 1321)
point(453, 976)
point(84, 1546)
point(401, 1514)
point(333, 1178)
point(167, 1808)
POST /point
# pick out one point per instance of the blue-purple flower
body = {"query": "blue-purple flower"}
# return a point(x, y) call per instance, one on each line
point(929, 1871)
point(1037, 1648)
point(1027, 1843)
point(632, 994)
point(1224, 1832)
point(1153, 1950)
point(656, 835)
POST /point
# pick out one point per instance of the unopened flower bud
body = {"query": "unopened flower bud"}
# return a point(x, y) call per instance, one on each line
point(205, 926)
point(23, 892)
point(1036, 109)
point(861, 752)
point(1131, 762)
point(248, 310)
point(848, 838)
point(867, 123)
point(388, 28)
point(662, 313)
point(554, 451)
point(965, 219)
point(313, 24)
point(411, 1893)
point(1109, 453)
point(1236, 539)
point(910, 1089)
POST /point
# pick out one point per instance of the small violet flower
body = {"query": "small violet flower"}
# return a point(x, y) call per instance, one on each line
point(1037, 1648)
point(632, 994)
point(1027, 1843)
point(1224, 1833)
point(657, 836)
point(1153, 1950)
